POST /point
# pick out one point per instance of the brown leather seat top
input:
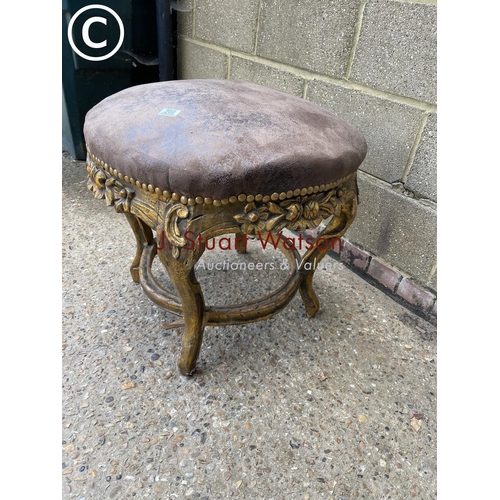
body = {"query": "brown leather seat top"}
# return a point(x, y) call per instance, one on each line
point(220, 138)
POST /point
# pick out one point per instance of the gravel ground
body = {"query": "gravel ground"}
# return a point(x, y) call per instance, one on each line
point(340, 406)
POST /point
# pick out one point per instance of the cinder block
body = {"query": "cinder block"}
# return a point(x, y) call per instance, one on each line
point(390, 128)
point(423, 174)
point(413, 294)
point(184, 12)
point(396, 51)
point(249, 71)
point(196, 61)
point(432, 283)
point(231, 23)
point(396, 228)
point(314, 35)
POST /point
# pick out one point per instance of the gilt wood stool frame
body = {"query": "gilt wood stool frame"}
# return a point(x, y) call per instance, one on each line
point(147, 210)
point(150, 210)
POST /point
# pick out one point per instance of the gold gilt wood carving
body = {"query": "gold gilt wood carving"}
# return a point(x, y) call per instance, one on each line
point(154, 217)
point(298, 214)
point(105, 185)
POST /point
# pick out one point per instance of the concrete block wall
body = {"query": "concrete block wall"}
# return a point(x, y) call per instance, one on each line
point(372, 62)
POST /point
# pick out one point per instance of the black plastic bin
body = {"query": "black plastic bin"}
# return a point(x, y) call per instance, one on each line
point(96, 32)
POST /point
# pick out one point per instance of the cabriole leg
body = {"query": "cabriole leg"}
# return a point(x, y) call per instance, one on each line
point(189, 291)
point(143, 236)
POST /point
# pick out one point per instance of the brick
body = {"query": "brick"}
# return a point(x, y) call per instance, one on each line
point(397, 49)
point(230, 23)
point(354, 256)
point(249, 71)
point(196, 61)
point(423, 174)
point(312, 35)
point(434, 310)
point(390, 128)
point(396, 228)
point(415, 295)
point(384, 274)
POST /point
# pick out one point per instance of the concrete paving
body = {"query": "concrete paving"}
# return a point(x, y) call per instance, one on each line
point(340, 406)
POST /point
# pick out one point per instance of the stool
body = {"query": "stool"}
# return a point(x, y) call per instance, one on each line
point(197, 159)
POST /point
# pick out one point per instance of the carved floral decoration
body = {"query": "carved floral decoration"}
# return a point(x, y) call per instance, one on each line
point(104, 185)
point(297, 214)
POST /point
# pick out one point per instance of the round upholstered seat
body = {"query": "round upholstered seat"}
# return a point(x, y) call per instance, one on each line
point(220, 139)
point(191, 160)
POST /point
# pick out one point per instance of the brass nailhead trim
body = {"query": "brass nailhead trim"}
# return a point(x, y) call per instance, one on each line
point(198, 200)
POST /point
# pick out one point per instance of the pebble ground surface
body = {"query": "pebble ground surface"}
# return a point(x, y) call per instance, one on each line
point(341, 406)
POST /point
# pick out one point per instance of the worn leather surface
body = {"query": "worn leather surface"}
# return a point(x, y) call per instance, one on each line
point(228, 138)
